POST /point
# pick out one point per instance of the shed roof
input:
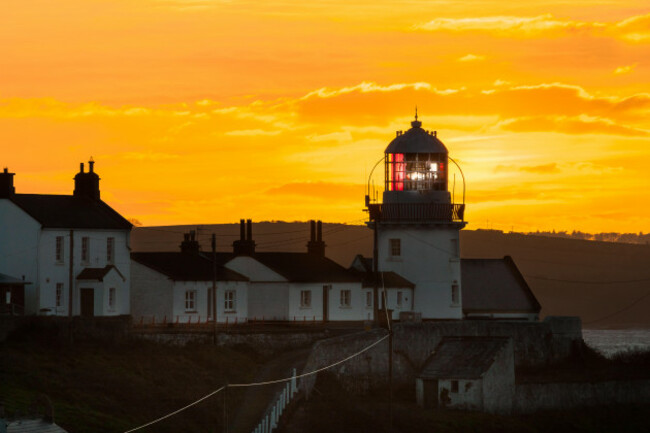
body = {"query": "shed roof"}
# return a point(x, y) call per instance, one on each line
point(9, 280)
point(67, 211)
point(463, 357)
point(362, 266)
point(306, 267)
point(180, 266)
point(33, 426)
point(491, 285)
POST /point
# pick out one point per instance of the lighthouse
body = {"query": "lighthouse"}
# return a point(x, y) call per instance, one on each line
point(417, 226)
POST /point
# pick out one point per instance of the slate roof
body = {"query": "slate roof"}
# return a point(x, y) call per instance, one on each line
point(305, 267)
point(180, 266)
point(463, 357)
point(388, 279)
point(9, 280)
point(67, 211)
point(495, 285)
point(32, 426)
point(97, 274)
point(416, 140)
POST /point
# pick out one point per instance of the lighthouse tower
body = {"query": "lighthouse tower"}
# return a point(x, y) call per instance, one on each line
point(417, 226)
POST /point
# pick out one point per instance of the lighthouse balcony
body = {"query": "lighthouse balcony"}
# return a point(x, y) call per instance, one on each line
point(416, 212)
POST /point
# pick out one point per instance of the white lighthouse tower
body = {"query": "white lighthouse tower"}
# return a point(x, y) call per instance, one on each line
point(417, 226)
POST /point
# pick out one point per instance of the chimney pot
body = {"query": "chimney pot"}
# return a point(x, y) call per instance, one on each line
point(312, 227)
point(319, 231)
point(81, 167)
point(249, 230)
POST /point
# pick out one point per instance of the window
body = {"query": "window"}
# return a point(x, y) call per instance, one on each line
point(416, 171)
point(85, 250)
point(346, 298)
point(111, 299)
point(454, 386)
point(395, 247)
point(399, 299)
point(110, 250)
point(190, 300)
point(305, 299)
point(7, 298)
point(454, 294)
point(59, 249)
point(368, 299)
point(59, 295)
point(230, 300)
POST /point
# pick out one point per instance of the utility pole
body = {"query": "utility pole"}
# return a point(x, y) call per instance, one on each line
point(71, 276)
point(214, 285)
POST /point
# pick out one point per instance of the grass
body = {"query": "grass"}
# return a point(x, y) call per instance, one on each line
point(102, 386)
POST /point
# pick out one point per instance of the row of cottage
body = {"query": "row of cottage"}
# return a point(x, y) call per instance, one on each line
point(71, 253)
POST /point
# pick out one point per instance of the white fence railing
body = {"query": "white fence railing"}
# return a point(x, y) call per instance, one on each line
point(273, 413)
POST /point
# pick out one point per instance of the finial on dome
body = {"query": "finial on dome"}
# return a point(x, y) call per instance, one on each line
point(416, 123)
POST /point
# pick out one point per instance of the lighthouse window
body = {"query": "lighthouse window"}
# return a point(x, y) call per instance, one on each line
point(395, 247)
point(416, 171)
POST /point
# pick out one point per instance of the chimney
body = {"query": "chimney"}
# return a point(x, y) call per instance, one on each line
point(190, 244)
point(7, 189)
point(86, 185)
point(245, 246)
point(316, 246)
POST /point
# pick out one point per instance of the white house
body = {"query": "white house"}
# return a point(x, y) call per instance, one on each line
point(72, 250)
point(290, 286)
point(176, 287)
point(417, 225)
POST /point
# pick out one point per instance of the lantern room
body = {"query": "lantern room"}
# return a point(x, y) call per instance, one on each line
point(416, 167)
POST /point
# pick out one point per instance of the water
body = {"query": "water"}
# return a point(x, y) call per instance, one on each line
point(612, 341)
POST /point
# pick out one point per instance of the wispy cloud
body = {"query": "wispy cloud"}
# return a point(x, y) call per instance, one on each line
point(471, 58)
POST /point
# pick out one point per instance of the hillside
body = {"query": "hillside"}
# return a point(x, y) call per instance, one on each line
point(606, 284)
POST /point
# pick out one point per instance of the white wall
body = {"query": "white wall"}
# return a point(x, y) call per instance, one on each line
point(428, 259)
point(268, 300)
point(201, 311)
point(52, 272)
point(19, 243)
point(357, 309)
point(151, 293)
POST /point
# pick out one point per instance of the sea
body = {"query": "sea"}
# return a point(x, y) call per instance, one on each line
point(610, 342)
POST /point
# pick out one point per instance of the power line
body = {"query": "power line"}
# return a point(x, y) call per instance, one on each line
point(268, 382)
point(619, 311)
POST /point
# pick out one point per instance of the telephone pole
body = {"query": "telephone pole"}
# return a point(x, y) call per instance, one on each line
point(214, 285)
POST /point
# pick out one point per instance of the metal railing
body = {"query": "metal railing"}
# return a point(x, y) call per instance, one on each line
point(271, 418)
point(416, 212)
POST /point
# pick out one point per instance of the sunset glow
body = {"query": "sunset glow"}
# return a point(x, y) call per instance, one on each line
point(208, 111)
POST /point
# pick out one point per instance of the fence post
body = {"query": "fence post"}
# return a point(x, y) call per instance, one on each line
point(293, 382)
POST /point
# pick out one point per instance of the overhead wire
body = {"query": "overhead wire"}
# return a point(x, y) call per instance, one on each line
point(245, 385)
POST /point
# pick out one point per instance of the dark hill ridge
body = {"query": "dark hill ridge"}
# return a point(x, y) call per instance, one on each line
point(606, 284)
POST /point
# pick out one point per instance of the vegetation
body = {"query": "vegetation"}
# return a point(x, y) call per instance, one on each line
point(102, 386)
point(331, 409)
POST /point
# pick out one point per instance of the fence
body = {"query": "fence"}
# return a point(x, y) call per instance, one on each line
point(271, 417)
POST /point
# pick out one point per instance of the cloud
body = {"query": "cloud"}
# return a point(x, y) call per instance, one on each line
point(332, 136)
point(570, 125)
point(506, 24)
point(624, 69)
point(251, 133)
point(539, 169)
point(634, 29)
point(471, 58)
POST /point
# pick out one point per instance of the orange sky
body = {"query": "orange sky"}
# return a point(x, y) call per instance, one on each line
point(205, 111)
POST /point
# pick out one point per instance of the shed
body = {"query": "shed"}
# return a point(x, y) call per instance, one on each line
point(472, 373)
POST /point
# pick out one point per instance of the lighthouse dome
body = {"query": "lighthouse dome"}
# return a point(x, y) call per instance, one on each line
point(416, 140)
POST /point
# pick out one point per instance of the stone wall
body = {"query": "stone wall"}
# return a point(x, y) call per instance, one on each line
point(535, 343)
point(105, 328)
point(531, 397)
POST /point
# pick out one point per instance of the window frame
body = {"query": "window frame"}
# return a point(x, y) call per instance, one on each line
point(400, 299)
point(345, 298)
point(369, 299)
point(59, 253)
point(190, 301)
point(455, 294)
point(112, 298)
point(85, 250)
point(395, 247)
point(58, 295)
point(305, 299)
point(110, 250)
point(230, 301)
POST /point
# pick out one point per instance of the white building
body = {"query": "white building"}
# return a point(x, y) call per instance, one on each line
point(417, 225)
point(73, 250)
point(176, 287)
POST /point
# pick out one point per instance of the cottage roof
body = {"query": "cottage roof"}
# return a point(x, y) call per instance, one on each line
point(180, 266)
point(362, 266)
point(463, 357)
point(305, 267)
point(33, 426)
point(9, 280)
point(97, 274)
point(491, 285)
point(67, 211)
